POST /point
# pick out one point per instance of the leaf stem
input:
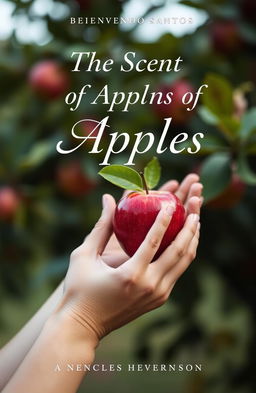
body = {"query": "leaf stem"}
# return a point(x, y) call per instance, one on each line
point(144, 182)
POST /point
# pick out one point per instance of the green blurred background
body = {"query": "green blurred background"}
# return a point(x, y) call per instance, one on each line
point(49, 202)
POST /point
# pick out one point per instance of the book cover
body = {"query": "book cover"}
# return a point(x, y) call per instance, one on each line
point(110, 86)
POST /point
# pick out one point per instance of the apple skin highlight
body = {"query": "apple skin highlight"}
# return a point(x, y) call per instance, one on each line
point(136, 213)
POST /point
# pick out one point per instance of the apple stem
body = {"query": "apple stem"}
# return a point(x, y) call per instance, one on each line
point(144, 182)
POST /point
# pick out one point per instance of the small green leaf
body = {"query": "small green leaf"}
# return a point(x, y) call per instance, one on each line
point(122, 176)
point(244, 170)
point(152, 173)
point(248, 124)
point(218, 98)
point(216, 175)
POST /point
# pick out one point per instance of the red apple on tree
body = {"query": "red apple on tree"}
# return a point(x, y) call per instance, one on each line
point(9, 202)
point(84, 4)
point(49, 79)
point(89, 127)
point(223, 186)
point(231, 196)
point(176, 109)
point(136, 212)
point(72, 180)
point(225, 37)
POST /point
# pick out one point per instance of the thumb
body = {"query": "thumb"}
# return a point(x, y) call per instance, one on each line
point(96, 241)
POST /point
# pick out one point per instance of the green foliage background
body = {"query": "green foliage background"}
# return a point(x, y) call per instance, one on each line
point(211, 315)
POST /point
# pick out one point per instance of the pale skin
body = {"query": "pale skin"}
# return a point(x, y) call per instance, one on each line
point(103, 290)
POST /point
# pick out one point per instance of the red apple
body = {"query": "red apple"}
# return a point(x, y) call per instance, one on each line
point(225, 37)
point(9, 202)
point(231, 196)
point(176, 109)
point(136, 213)
point(72, 180)
point(49, 79)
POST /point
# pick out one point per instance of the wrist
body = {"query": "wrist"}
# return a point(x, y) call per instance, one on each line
point(69, 337)
point(70, 326)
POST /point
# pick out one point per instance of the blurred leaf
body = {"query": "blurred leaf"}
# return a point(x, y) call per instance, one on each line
point(248, 32)
point(39, 153)
point(53, 269)
point(212, 144)
point(229, 126)
point(207, 116)
point(189, 338)
point(123, 177)
point(143, 351)
point(152, 173)
point(216, 175)
point(248, 124)
point(218, 98)
point(90, 167)
point(145, 334)
point(251, 149)
point(244, 170)
point(159, 47)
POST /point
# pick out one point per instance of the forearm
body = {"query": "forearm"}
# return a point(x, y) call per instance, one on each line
point(13, 353)
point(62, 345)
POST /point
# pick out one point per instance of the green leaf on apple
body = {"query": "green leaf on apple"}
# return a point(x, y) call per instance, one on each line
point(123, 177)
point(152, 173)
point(216, 175)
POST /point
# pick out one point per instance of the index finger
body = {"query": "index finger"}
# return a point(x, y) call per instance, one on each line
point(151, 243)
point(185, 185)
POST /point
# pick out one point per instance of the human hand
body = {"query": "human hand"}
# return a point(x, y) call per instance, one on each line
point(189, 191)
point(102, 298)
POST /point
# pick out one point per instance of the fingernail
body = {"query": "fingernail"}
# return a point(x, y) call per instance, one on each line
point(194, 217)
point(169, 209)
point(104, 201)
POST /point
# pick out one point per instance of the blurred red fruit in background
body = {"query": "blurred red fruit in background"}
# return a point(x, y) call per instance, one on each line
point(72, 180)
point(231, 196)
point(84, 4)
point(87, 127)
point(176, 109)
point(225, 37)
point(49, 79)
point(9, 202)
